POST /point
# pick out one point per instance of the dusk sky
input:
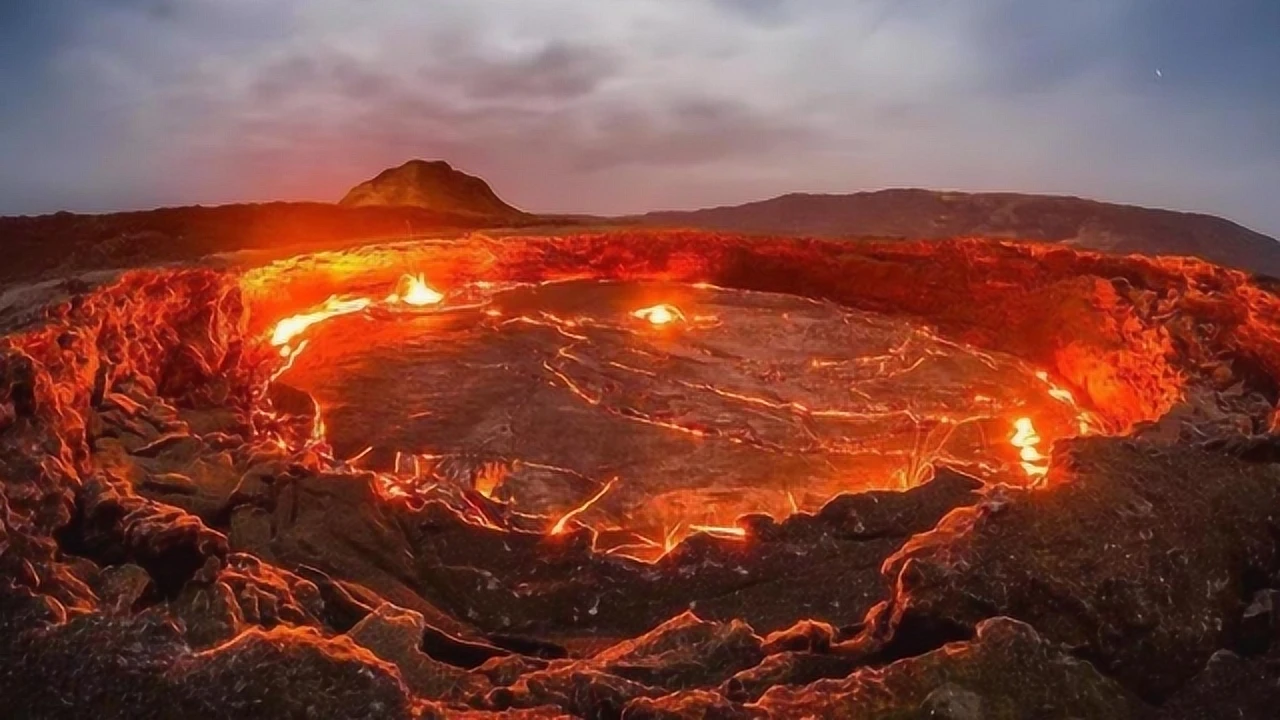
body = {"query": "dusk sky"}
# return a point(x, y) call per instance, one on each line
point(619, 106)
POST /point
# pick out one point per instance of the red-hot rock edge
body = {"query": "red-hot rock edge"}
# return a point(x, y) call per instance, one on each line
point(166, 555)
point(1123, 330)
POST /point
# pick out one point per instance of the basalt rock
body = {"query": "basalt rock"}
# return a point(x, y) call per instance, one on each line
point(325, 678)
point(394, 634)
point(123, 587)
point(1006, 671)
point(1140, 561)
point(826, 564)
point(1229, 686)
point(684, 653)
point(688, 704)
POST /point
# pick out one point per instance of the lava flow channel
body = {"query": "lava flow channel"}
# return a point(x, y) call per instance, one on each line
point(714, 405)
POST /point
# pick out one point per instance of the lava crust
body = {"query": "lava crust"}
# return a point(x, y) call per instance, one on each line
point(189, 526)
point(544, 396)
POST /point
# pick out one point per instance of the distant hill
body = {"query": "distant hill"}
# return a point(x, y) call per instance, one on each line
point(417, 197)
point(928, 214)
point(434, 186)
point(45, 245)
point(421, 197)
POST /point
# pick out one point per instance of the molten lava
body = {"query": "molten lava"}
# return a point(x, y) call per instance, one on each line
point(291, 327)
point(1025, 438)
point(809, 405)
point(1086, 421)
point(412, 290)
point(415, 291)
point(563, 522)
point(659, 314)
point(726, 532)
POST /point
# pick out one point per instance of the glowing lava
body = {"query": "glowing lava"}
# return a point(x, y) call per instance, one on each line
point(291, 327)
point(412, 290)
point(488, 478)
point(563, 522)
point(415, 291)
point(659, 314)
point(1025, 438)
point(820, 406)
point(1086, 421)
point(721, 531)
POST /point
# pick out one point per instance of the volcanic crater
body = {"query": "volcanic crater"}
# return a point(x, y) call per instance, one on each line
point(649, 420)
point(646, 474)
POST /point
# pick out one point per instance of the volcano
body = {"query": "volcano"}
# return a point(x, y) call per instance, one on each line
point(641, 473)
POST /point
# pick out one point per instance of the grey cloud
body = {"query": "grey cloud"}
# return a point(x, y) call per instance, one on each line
point(402, 120)
point(768, 12)
point(688, 132)
point(558, 71)
point(284, 77)
point(479, 108)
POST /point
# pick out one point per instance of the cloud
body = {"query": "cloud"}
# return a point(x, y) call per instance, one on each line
point(557, 71)
point(575, 105)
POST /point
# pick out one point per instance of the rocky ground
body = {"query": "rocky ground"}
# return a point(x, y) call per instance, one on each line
point(173, 545)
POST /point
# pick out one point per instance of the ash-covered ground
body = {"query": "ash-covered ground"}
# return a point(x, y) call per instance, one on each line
point(179, 538)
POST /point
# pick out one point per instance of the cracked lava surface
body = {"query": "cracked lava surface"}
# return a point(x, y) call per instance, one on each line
point(738, 402)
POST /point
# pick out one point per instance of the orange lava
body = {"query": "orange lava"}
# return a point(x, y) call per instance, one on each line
point(284, 333)
point(563, 522)
point(659, 314)
point(415, 291)
point(412, 290)
point(1025, 438)
point(720, 531)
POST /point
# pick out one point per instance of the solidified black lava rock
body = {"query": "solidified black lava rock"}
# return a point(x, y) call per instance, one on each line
point(1139, 558)
point(1006, 671)
point(1230, 686)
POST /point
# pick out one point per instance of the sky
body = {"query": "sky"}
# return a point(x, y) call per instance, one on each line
point(622, 106)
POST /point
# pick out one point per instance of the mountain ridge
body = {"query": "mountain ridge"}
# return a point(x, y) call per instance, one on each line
point(934, 214)
point(431, 196)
